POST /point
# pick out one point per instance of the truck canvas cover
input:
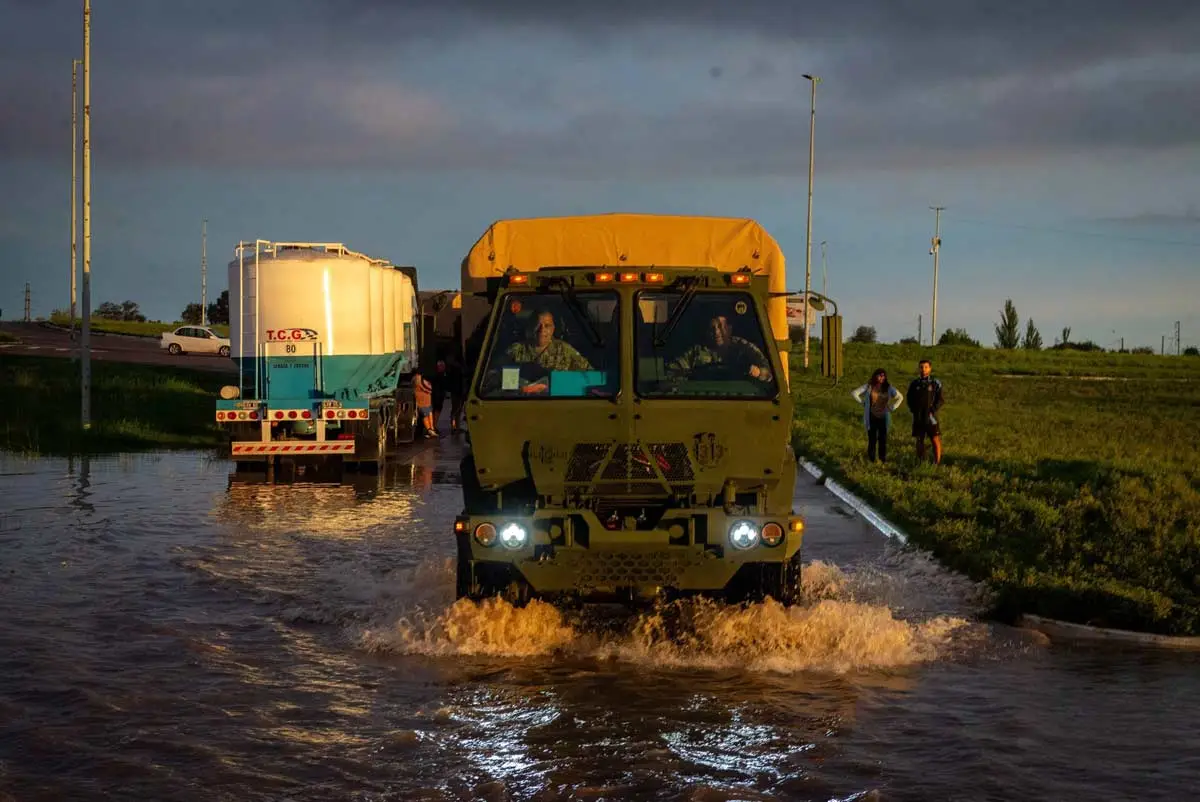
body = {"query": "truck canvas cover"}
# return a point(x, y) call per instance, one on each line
point(630, 240)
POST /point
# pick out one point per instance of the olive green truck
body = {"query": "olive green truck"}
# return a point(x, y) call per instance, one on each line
point(628, 413)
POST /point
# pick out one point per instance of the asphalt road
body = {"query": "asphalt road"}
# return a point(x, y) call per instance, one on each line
point(39, 340)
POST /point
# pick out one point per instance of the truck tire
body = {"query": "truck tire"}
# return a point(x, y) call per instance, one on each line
point(754, 582)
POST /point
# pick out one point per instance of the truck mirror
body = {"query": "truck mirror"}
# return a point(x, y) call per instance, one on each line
point(831, 346)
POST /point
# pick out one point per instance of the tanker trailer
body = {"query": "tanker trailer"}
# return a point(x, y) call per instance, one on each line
point(326, 343)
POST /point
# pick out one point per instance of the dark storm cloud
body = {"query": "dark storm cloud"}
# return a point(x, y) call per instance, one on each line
point(291, 82)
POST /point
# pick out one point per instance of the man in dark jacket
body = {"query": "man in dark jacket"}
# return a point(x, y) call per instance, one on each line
point(925, 400)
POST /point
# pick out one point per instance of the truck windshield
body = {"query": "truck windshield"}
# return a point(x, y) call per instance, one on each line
point(716, 350)
point(543, 347)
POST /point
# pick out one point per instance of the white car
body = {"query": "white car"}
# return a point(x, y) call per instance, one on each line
point(194, 340)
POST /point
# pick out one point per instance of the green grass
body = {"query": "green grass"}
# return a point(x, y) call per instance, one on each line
point(133, 407)
point(150, 328)
point(1075, 498)
point(5, 337)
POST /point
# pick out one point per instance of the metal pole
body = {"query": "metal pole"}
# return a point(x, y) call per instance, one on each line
point(86, 340)
point(1163, 349)
point(812, 126)
point(935, 250)
point(920, 330)
point(74, 187)
point(1177, 352)
point(824, 272)
point(27, 317)
point(204, 273)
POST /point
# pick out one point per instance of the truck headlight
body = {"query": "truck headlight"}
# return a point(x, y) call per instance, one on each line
point(485, 534)
point(513, 536)
point(743, 534)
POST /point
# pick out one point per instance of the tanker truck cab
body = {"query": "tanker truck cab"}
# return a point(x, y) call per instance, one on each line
point(629, 427)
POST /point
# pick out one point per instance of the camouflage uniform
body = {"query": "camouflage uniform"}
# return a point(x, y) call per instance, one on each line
point(559, 355)
point(740, 354)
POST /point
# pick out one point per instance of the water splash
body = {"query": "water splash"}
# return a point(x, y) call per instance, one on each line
point(830, 631)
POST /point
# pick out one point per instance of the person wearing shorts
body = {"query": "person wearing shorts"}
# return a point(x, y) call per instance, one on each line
point(423, 395)
point(925, 400)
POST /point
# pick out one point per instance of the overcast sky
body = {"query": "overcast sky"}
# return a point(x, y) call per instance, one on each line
point(1063, 137)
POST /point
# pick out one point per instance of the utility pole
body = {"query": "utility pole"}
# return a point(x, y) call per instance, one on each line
point(812, 126)
point(1163, 348)
point(27, 318)
point(920, 330)
point(935, 250)
point(1176, 338)
point(204, 273)
point(85, 409)
point(74, 186)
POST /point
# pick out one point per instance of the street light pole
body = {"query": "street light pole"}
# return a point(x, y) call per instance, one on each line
point(935, 250)
point(204, 273)
point(812, 125)
point(74, 186)
point(85, 412)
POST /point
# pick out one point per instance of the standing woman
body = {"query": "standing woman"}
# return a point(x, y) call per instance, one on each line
point(879, 400)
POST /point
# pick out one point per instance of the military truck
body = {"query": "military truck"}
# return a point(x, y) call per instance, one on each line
point(628, 412)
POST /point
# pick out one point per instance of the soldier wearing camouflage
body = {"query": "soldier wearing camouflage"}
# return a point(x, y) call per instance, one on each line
point(742, 356)
point(547, 352)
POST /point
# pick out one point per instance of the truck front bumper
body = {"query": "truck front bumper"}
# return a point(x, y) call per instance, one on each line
point(573, 552)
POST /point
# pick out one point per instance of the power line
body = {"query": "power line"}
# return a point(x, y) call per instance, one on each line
point(1069, 232)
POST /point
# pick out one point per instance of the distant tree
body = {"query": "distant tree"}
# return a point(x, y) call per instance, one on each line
point(1008, 331)
point(958, 337)
point(218, 311)
point(1191, 350)
point(909, 341)
point(130, 311)
point(191, 314)
point(109, 311)
point(1033, 337)
point(1143, 349)
point(1066, 337)
point(1086, 345)
point(864, 334)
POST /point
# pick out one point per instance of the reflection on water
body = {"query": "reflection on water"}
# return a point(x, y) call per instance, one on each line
point(170, 631)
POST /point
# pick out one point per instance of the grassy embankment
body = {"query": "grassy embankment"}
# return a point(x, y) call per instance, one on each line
point(133, 407)
point(149, 328)
point(5, 337)
point(1074, 497)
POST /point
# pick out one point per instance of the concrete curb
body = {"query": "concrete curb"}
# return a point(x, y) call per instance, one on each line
point(884, 526)
point(1052, 628)
point(1066, 631)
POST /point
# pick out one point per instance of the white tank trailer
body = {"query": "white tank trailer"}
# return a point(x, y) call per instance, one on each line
point(326, 344)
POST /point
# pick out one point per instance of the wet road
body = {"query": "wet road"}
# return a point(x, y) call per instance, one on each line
point(39, 340)
point(169, 635)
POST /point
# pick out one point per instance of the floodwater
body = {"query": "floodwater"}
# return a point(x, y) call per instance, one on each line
point(169, 634)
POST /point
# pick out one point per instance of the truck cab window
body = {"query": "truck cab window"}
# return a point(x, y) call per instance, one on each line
point(716, 350)
point(543, 347)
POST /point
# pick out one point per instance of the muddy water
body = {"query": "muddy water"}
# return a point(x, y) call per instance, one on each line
point(166, 634)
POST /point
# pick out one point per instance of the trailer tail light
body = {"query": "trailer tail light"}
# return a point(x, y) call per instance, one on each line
point(329, 413)
point(253, 414)
point(654, 278)
point(220, 416)
point(602, 278)
point(629, 277)
point(278, 415)
point(292, 414)
point(306, 414)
